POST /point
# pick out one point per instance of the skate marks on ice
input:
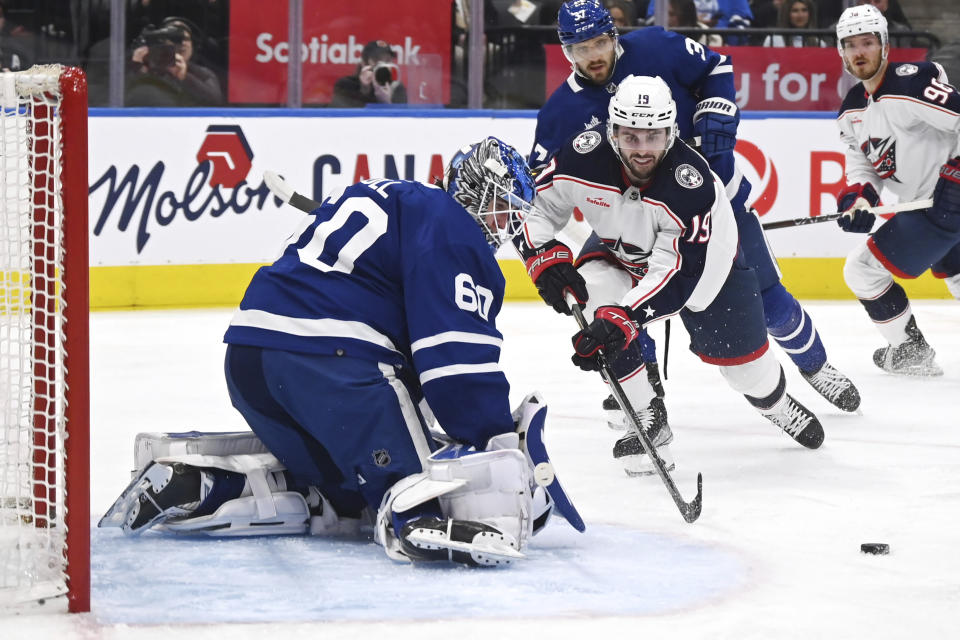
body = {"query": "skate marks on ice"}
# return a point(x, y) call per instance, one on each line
point(610, 570)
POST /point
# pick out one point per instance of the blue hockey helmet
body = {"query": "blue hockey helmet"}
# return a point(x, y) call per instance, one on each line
point(491, 180)
point(580, 20)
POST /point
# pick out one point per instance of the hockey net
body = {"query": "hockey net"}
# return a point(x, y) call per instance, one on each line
point(44, 308)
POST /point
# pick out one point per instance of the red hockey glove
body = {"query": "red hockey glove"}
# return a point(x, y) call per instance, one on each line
point(552, 271)
point(853, 203)
point(611, 331)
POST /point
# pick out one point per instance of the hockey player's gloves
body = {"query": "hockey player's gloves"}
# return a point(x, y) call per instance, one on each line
point(551, 269)
point(945, 212)
point(853, 202)
point(715, 122)
point(611, 331)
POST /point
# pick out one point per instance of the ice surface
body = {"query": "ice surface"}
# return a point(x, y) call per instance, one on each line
point(774, 555)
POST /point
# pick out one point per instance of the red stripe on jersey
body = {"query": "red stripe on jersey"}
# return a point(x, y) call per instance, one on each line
point(892, 268)
point(596, 185)
point(729, 362)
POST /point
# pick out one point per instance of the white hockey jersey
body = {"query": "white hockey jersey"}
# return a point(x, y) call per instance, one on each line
point(900, 136)
point(676, 236)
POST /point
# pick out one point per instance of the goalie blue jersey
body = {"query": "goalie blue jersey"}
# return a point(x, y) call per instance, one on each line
point(692, 71)
point(394, 272)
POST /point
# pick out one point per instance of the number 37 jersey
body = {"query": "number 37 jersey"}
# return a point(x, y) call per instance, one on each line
point(394, 272)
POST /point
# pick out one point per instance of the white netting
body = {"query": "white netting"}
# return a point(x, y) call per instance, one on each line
point(32, 487)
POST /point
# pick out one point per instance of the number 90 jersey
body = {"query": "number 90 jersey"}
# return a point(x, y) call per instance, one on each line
point(901, 135)
point(395, 272)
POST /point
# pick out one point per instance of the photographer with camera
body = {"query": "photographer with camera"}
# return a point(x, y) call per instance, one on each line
point(377, 80)
point(162, 74)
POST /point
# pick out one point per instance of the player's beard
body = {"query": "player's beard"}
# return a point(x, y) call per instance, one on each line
point(865, 71)
point(598, 70)
point(641, 165)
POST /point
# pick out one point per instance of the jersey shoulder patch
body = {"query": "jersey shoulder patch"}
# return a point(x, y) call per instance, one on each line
point(906, 69)
point(587, 141)
point(684, 182)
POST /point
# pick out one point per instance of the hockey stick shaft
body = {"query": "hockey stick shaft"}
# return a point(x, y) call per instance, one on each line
point(827, 217)
point(285, 192)
point(689, 510)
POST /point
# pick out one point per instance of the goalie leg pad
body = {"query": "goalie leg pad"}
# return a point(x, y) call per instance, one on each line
point(148, 447)
point(481, 491)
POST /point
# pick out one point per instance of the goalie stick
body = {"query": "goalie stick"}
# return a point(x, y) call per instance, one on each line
point(827, 217)
point(285, 192)
point(689, 510)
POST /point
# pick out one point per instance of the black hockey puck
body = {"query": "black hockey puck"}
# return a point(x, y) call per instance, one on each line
point(875, 548)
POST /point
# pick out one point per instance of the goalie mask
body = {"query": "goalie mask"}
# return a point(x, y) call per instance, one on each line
point(642, 116)
point(855, 21)
point(493, 183)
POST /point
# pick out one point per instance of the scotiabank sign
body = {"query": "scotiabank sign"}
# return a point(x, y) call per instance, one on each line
point(771, 78)
point(334, 33)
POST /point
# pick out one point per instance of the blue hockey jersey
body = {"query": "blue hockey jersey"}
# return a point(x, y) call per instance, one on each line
point(391, 271)
point(692, 72)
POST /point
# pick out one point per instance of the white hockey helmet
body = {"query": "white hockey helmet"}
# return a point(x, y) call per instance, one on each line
point(643, 102)
point(864, 18)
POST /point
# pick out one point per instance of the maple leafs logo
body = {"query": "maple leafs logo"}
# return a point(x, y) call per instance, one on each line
point(882, 154)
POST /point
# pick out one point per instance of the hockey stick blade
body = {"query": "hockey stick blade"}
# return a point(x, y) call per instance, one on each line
point(828, 217)
point(285, 192)
point(689, 510)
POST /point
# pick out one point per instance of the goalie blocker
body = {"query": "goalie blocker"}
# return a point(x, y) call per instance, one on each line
point(467, 506)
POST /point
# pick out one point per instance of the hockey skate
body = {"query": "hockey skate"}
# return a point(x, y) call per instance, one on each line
point(629, 451)
point(912, 358)
point(160, 491)
point(462, 541)
point(616, 420)
point(796, 421)
point(834, 386)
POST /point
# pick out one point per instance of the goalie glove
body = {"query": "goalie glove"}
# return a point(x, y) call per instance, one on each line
point(715, 121)
point(611, 331)
point(854, 202)
point(551, 269)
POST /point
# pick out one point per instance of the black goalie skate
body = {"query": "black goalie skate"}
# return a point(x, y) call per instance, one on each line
point(462, 541)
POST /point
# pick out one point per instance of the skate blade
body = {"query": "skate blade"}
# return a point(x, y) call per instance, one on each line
point(640, 465)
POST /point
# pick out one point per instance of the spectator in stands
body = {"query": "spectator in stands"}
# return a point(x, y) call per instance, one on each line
point(376, 81)
point(896, 21)
point(796, 14)
point(161, 71)
point(623, 12)
point(723, 14)
point(766, 13)
point(14, 49)
point(683, 13)
point(515, 13)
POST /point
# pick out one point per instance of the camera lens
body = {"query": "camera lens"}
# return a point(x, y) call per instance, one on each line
point(382, 75)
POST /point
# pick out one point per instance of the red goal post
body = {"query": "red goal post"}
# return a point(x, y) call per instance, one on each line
point(44, 340)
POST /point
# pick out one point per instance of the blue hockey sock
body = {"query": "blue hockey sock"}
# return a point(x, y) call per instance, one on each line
point(793, 329)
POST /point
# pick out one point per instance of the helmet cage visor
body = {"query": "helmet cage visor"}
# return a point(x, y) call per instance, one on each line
point(600, 46)
point(501, 213)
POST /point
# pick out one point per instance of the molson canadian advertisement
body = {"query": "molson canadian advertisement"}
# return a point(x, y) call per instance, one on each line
point(182, 198)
